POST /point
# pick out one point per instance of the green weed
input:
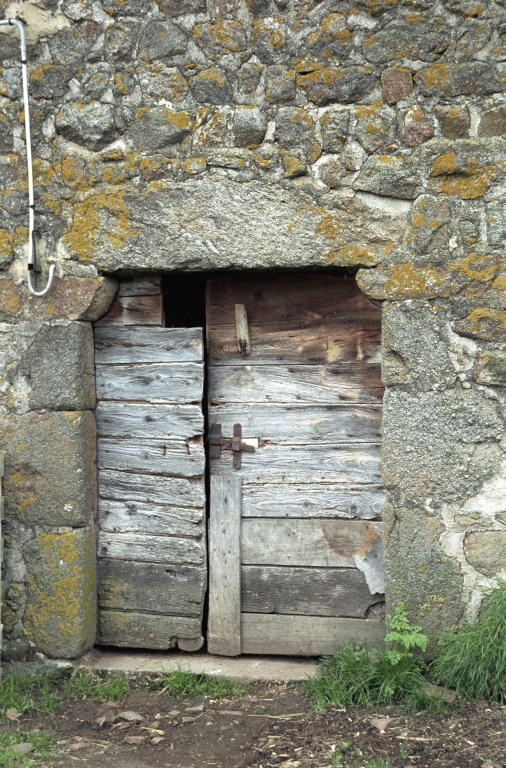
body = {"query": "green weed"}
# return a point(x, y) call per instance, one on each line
point(379, 762)
point(473, 660)
point(84, 685)
point(42, 742)
point(356, 674)
point(185, 683)
point(28, 693)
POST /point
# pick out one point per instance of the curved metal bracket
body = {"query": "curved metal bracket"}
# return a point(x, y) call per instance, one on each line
point(48, 286)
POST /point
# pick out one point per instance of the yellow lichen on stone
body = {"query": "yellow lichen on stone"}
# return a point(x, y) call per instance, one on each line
point(194, 165)
point(435, 76)
point(6, 245)
point(294, 166)
point(86, 235)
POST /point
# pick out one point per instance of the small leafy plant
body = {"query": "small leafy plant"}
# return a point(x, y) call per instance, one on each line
point(185, 683)
point(356, 674)
point(473, 659)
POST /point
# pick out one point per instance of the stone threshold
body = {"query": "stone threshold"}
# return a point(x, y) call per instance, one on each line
point(244, 669)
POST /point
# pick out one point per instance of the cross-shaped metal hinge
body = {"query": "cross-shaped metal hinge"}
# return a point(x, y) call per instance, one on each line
point(217, 443)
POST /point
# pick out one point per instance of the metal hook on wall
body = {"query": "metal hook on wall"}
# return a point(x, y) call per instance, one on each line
point(32, 265)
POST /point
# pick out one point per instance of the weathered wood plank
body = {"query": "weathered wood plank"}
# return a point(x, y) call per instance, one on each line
point(135, 310)
point(135, 517)
point(330, 384)
point(312, 543)
point(177, 590)
point(304, 635)
point(174, 458)
point(324, 463)
point(224, 624)
point(157, 382)
point(151, 549)
point(242, 331)
point(298, 424)
point(150, 489)
point(281, 297)
point(117, 419)
point(305, 591)
point(313, 500)
point(358, 340)
point(117, 344)
point(144, 630)
point(140, 286)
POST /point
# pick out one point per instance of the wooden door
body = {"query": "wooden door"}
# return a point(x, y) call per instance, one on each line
point(295, 533)
point(152, 543)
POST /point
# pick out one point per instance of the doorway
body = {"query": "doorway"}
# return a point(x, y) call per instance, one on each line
point(269, 384)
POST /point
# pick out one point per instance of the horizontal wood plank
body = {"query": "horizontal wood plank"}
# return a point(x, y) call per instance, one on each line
point(136, 517)
point(305, 591)
point(330, 384)
point(150, 489)
point(283, 297)
point(304, 635)
point(151, 549)
point(298, 424)
point(312, 543)
point(358, 340)
point(118, 419)
point(135, 310)
point(325, 463)
point(143, 630)
point(174, 458)
point(177, 590)
point(140, 286)
point(156, 382)
point(117, 344)
point(311, 500)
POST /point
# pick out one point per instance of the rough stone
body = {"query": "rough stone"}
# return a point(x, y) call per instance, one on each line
point(415, 348)
point(249, 125)
point(332, 41)
point(345, 85)
point(50, 82)
point(484, 323)
point(294, 126)
point(428, 234)
point(71, 298)
point(267, 39)
point(294, 166)
point(137, 8)
point(374, 127)
point(416, 128)
point(181, 7)
point(60, 446)
point(353, 231)
point(211, 87)
point(455, 121)
point(121, 41)
point(417, 570)
point(334, 129)
point(160, 40)
point(59, 363)
point(486, 552)
point(418, 37)
point(219, 37)
point(397, 84)
point(60, 614)
point(280, 85)
point(249, 76)
point(159, 127)
point(91, 125)
point(392, 175)
point(442, 445)
point(448, 80)
point(491, 368)
point(493, 122)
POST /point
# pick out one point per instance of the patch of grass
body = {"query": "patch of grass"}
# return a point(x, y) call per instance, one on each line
point(356, 674)
point(84, 685)
point(379, 762)
point(43, 743)
point(472, 660)
point(28, 693)
point(185, 683)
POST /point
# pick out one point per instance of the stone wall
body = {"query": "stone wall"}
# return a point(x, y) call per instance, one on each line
point(237, 135)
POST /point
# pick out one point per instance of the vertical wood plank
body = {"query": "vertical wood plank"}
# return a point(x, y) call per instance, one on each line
point(224, 624)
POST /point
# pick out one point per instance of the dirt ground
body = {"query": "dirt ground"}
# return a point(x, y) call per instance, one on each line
point(272, 725)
